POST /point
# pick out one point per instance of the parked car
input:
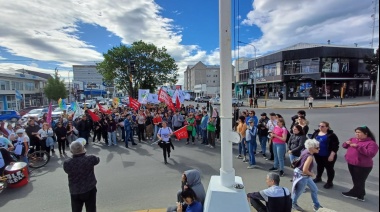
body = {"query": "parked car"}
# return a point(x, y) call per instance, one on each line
point(9, 115)
point(37, 113)
point(237, 102)
point(26, 110)
point(204, 99)
point(90, 104)
point(57, 112)
point(196, 99)
point(215, 101)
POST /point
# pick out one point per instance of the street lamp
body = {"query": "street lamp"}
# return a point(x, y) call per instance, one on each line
point(68, 75)
point(254, 67)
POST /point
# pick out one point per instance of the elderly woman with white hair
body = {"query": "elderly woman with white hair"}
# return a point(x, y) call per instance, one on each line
point(303, 175)
point(81, 176)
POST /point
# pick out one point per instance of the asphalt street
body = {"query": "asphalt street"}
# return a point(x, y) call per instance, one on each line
point(135, 179)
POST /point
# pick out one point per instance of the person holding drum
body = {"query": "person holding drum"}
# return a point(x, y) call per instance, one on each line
point(22, 146)
point(5, 159)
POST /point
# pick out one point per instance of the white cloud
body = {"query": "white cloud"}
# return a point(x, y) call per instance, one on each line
point(284, 23)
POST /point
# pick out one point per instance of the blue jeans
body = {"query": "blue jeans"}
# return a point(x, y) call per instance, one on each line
point(242, 147)
point(251, 147)
point(128, 136)
point(204, 136)
point(155, 131)
point(24, 159)
point(263, 143)
point(300, 187)
point(292, 157)
point(112, 138)
point(279, 152)
point(199, 130)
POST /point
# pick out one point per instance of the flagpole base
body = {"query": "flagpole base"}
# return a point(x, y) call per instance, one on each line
point(223, 198)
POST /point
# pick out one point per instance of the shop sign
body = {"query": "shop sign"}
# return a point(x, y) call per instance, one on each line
point(261, 80)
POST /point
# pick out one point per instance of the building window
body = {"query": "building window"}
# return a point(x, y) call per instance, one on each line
point(4, 85)
point(29, 86)
point(17, 86)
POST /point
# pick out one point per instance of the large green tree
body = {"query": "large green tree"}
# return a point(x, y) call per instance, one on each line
point(55, 88)
point(153, 66)
point(372, 62)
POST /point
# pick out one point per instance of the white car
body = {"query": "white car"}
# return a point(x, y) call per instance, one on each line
point(56, 114)
point(237, 102)
point(215, 101)
point(90, 104)
point(37, 113)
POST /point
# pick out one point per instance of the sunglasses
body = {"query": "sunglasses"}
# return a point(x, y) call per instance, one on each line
point(321, 126)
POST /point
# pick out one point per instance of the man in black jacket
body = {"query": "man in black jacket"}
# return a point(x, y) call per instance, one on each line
point(84, 128)
point(32, 132)
point(81, 176)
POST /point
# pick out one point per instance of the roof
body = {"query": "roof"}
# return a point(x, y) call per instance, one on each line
point(313, 45)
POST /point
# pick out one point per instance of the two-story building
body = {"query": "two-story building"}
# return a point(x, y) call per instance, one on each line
point(310, 69)
point(30, 86)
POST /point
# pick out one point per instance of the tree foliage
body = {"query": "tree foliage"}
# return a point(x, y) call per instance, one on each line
point(153, 67)
point(55, 88)
point(372, 62)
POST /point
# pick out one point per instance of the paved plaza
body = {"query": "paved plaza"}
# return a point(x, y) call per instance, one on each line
point(137, 179)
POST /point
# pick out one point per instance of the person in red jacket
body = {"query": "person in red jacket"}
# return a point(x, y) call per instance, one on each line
point(359, 156)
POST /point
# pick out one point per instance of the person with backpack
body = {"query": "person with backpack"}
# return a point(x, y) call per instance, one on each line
point(303, 175)
point(277, 198)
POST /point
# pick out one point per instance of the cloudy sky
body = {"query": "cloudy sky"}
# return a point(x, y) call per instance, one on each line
point(44, 35)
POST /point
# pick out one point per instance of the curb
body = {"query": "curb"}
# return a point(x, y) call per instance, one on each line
point(323, 106)
point(152, 210)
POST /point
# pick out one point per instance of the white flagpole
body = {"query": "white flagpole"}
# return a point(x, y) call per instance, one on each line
point(16, 102)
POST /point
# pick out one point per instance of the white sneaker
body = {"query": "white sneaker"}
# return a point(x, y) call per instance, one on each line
point(251, 167)
point(212, 147)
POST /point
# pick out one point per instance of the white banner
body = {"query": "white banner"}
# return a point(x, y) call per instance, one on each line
point(153, 98)
point(143, 96)
point(181, 95)
point(78, 112)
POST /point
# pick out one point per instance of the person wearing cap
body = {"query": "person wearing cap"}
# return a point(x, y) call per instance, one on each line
point(22, 146)
point(262, 132)
point(82, 181)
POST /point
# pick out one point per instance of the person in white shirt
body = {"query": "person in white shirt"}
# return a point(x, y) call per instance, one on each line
point(310, 99)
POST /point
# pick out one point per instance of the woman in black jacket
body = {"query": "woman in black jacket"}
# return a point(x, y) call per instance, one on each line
point(329, 145)
point(296, 143)
point(61, 134)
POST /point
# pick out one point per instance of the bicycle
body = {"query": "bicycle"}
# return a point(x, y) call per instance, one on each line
point(37, 159)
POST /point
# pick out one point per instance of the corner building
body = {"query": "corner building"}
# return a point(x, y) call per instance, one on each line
point(312, 69)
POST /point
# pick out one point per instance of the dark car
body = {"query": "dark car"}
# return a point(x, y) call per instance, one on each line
point(26, 110)
point(11, 115)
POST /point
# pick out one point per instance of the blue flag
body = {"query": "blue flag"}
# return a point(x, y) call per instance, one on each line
point(18, 95)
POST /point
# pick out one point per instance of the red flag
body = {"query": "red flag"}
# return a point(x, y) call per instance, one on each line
point(133, 103)
point(164, 97)
point(102, 110)
point(177, 103)
point(181, 133)
point(48, 117)
point(93, 116)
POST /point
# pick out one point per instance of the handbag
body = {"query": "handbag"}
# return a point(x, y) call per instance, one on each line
point(161, 144)
point(296, 163)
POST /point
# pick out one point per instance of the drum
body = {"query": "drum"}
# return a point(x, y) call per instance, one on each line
point(17, 175)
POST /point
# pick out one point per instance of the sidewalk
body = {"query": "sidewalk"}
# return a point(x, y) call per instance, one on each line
point(318, 103)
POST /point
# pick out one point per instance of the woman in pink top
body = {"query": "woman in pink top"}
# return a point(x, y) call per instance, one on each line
point(360, 151)
point(278, 136)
